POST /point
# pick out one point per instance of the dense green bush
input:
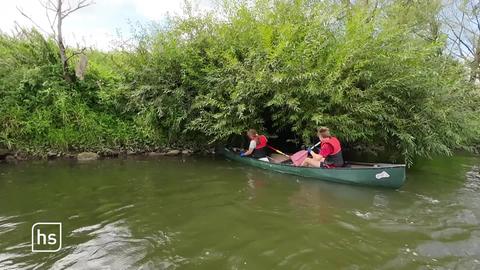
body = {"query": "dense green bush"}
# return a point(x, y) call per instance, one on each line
point(367, 72)
point(373, 72)
point(41, 112)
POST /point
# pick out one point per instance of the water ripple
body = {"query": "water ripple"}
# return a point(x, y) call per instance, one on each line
point(157, 215)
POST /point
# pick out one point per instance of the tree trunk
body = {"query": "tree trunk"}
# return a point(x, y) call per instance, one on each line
point(475, 67)
point(61, 46)
point(81, 67)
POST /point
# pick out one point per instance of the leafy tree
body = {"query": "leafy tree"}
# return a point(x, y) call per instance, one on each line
point(376, 72)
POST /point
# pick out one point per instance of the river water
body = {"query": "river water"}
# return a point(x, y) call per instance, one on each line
point(209, 213)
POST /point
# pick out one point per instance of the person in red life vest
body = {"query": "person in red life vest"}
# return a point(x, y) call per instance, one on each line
point(330, 155)
point(257, 146)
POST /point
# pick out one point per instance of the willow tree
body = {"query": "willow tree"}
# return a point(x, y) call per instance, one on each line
point(371, 72)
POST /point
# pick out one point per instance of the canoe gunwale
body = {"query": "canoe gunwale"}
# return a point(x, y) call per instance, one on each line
point(382, 165)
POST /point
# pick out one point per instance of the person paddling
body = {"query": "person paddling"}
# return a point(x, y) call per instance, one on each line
point(257, 146)
point(330, 155)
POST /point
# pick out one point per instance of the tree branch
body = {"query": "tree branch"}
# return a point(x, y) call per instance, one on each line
point(82, 51)
point(80, 5)
point(459, 38)
point(52, 23)
point(31, 20)
point(475, 14)
point(460, 50)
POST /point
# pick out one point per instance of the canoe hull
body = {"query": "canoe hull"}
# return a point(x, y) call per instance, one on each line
point(391, 175)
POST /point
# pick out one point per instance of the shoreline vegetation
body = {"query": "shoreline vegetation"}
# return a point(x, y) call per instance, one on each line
point(381, 77)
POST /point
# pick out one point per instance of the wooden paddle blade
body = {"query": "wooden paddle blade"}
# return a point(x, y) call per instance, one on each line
point(277, 158)
point(299, 157)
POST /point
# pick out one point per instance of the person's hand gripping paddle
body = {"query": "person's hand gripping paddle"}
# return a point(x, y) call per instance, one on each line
point(301, 155)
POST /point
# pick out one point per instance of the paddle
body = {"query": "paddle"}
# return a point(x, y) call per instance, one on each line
point(278, 151)
point(278, 159)
point(301, 155)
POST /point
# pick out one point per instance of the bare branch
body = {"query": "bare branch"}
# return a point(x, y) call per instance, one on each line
point(82, 51)
point(52, 23)
point(81, 4)
point(451, 52)
point(459, 39)
point(48, 7)
point(475, 14)
point(31, 20)
point(459, 42)
point(49, 4)
point(458, 45)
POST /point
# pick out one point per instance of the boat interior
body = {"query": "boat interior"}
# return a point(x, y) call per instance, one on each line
point(281, 159)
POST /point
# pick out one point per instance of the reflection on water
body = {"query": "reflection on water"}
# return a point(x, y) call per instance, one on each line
point(311, 203)
point(214, 214)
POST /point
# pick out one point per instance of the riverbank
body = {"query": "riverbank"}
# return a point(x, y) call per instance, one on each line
point(11, 156)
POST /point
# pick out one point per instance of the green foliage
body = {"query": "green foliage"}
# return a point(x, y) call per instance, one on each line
point(373, 72)
point(41, 112)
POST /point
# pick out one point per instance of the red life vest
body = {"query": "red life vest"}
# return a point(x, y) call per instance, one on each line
point(336, 158)
point(261, 142)
point(335, 143)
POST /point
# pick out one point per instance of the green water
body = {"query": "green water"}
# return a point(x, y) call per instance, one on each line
point(207, 213)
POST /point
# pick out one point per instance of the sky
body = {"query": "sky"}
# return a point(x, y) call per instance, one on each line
point(96, 25)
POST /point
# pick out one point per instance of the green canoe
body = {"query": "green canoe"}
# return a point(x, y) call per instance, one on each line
point(369, 174)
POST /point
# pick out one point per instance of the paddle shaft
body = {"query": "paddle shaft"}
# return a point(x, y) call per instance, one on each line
point(278, 151)
point(281, 153)
point(311, 148)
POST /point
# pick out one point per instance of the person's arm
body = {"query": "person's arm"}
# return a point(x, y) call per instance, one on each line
point(249, 152)
point(317, 156)
point(325, 151)
point(251, 147)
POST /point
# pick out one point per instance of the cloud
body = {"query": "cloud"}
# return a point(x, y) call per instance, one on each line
point(98, 24)
point(9, 14)
point(156, 10)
